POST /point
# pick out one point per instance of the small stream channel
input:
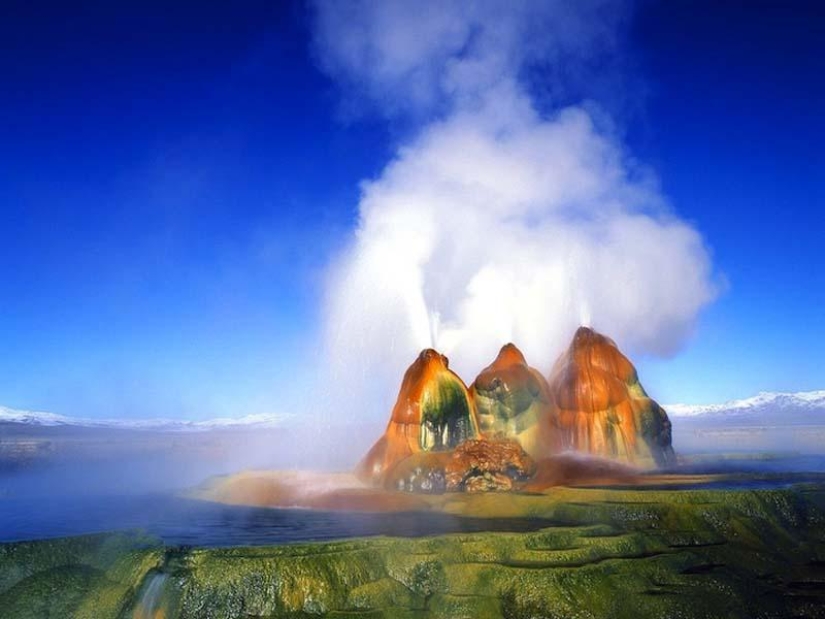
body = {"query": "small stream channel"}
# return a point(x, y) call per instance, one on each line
point(152, 601)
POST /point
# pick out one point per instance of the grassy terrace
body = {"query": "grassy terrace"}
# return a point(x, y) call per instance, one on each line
point(612, 553)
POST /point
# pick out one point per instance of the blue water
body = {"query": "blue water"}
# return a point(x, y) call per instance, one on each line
point(92, 497)
point(179, 521)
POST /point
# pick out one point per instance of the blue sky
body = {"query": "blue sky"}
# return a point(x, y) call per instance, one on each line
point(175, 182)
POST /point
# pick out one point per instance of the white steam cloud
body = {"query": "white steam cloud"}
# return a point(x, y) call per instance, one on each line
point(498, 221)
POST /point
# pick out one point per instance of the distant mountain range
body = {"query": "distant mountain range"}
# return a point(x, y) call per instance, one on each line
point(765, 408)
point(10, 415)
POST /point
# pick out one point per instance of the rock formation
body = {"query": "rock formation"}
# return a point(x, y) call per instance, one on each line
point(476, 465)
point(513, 400)
point(442, 437)
point(485, 465)
point(433, 413)
point(602, 408)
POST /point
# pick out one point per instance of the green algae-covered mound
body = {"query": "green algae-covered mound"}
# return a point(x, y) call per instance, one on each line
point(513, 400)
point(613, 554)
point(94, 576)
point(605, 553)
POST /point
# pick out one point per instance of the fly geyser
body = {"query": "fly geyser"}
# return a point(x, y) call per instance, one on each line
point(512, 422)
point(602, 407)
point(433, 413)
point(512, 399)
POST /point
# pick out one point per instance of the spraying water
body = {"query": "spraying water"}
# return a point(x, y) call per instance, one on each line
point(500, 220)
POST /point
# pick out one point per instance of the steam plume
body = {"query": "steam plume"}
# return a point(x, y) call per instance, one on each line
point(500, 220)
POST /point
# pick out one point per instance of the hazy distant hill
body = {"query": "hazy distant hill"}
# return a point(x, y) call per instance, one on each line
point(31, 418)
point(152, 454)
point(767, 422)
point(764, 409)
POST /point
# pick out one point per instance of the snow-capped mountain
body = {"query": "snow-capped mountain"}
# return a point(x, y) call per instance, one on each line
point(10, 415)
point(766, 407)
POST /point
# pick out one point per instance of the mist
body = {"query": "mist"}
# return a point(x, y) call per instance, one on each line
point(38, 461)
point(505, 216)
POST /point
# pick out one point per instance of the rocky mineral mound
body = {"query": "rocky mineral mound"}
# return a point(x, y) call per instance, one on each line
point(442, 437)
point(602, 408)
point(433, 413)
point(476, 465)
point(484, 465)
point(513, 400)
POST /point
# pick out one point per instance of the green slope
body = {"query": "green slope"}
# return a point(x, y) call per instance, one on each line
point(613, 553)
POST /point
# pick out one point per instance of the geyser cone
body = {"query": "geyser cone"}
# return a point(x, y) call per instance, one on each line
point(433, 412)
point(602, 408)
point(513, 400)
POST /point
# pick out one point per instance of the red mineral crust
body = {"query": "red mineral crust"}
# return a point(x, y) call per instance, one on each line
point(476, 465)
point(484, 465)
